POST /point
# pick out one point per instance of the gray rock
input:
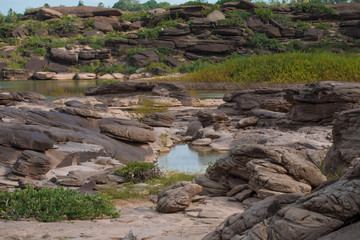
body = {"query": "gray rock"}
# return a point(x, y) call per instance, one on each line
point(177, 197)
point(36, 64)
point(193, 127)
point(82, 112)
point(62, 55)
point(144, 58)
point(159, 119)
point(210, 117)
point(246, 122)
point(16, 74)
point(32, 164)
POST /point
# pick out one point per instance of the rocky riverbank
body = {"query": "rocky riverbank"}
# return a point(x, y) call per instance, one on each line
point(278, 140)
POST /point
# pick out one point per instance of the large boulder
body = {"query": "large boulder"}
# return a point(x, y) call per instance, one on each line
point(36, 64)
point(187, 12)
point(317, 102)
point(144, 58)
point(63, 55)
point(211, 117)
point(86, 11)
point(129, 133)
point(43, 13)
point(326, 210)
point(346, 146)
point(32, 164)
point(16, 74)
point(177, 197)
point(159, 119)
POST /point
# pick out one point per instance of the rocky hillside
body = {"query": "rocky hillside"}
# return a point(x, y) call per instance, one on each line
point(94, 42)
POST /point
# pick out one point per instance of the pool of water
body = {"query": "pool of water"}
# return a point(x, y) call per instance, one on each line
point(185, 158)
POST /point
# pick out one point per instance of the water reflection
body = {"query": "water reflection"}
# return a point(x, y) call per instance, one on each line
point(48, 87)
point(185, 158)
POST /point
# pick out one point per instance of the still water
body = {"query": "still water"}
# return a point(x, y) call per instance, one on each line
point(184, 158)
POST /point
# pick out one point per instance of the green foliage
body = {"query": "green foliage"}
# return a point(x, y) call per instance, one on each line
point(302, 26)
point(263, 42)
point(149, 33)
point(158, 68)
point(88, 23)
point(135, 5)
point(132, 51)
point(40, 51)
point(66, 26)
point(283, 20)
point(313, 8)
point(236, 18)
point(7, 28)
point(151, 187)
point(265, 14)
point(49, 205)
point(295, 45)
point(163, 52)
point(323, 26)
point(202, 3)
point(295, 67)
point(133, 16)
point(195, 66)
point(57, 44)
point(138, 171)
point(110, 69)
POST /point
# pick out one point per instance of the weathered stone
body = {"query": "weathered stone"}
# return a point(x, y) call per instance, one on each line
point(177, 197)
point(63, 55)
point(43, 13)
point(87, 113)
point(202, 142)
point(43, 75)
point(242, 4)
point(32, 164)
point(85, 76)
point(159, 119)
point(210, 117)
point(57, 68)
point(313, 34)
point(93, 33)
point(246, 122)
point(241, 196)
point(20, 32)
point(187, 12)
point(144, 58)
point(16, 74)
point(215, 16)
point(63, 76)
point(103, 26)
point(36, 64)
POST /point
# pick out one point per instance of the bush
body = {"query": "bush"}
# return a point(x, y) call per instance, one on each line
point(158, 68)
point(138, 171)
point(66, 26)
point(194, 66)
point(49, 205)
point(133, 16)
point(263, 42)
point(33, 26)
point(265, 14)
point(296, 67)
point(283, 20)
point(236, 18)
point(40, 51)
point(302, 26)
point(149, 33)
point(147, 106)
point(295, 45)
point(313, 8)
point(323, 26)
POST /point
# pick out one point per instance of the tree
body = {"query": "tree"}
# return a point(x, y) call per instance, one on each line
point(129, 5)
point(101, 4)
point(163, 4)
point(81, 3)
point(46, 5)
point(151, 4)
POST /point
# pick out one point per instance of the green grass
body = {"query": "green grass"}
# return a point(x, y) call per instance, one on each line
point(136, 171)
point(147, 106)
point(295, 67)
point(49, 205)
point(152, 187)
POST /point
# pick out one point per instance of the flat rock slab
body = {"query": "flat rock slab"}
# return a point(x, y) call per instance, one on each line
point(137, 218)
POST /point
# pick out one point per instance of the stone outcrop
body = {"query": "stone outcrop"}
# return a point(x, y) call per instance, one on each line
point(345, 151)
point(159, 119)
point(15, 74)
point(177, 197)
point(309, 217)
point(32, 164)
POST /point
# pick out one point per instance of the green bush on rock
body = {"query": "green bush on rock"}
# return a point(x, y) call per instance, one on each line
point(49, 205)
point(138, 171)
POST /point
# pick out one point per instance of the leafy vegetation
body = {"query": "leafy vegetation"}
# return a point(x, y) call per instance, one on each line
point(133, 16)
point(295, 67)
point(147, 106)
point(261, 41)
point(138, 171)
point(302, 26)
point(236, 18)
point(49, 205)
point(151, 187)
point(66, 26)
point(265, 14)
point(195, 66)
point(313, 8)
point(284, 20)
point(135, 5)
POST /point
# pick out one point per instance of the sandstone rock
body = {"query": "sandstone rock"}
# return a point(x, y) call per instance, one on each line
point(103, 26)
point(63, 55)
point(63, 76)
point(159, 119)
point(201, 142)
point(193, 127)
point(20, 32)
point(85, 76)
point(93, 33)
point(177, 197)
point(246, 122)
point(313, 34)
point(188, 12)
point(210, 187)
point(215, 16)
point(172, 62)
point(127, 133)
point(317, 102)
point(87, 11)
point(44, 75)
point(119, 76)
point(241, 196)
point(242, 4)
point(106, 76)
point(346, 141)
point(210, 117)
point(36, 64)
point(32, 164)
point(43, 13)
point(142, 59)
point(24, 139)
point(7, 97)
point(55, 67)
point(87, 113)
point(16, 74)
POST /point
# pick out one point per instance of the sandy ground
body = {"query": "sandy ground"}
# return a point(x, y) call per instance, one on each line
point(138, 219)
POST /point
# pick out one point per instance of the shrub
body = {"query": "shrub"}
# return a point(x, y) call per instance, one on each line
point(236, 18)
point(58, 44)
point(147, 106)
point(158, 68)
point(49, 205)
point(283, 20)
point(194, 66)
point(313, 8)
point(66, 26)
point(138, 171)
point(295, 67)
point(152, 186)
point(40, 51)
point(302, 26)
point(33, 26)
point(295, 45)
point(323, 26)
point(132, 51)
point(110, 69)
point(149, 33)
point(265, 14)
point(263, 42)
point(134, 16)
